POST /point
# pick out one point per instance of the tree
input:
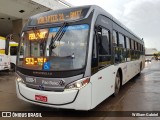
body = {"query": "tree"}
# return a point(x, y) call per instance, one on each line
point(156, 55)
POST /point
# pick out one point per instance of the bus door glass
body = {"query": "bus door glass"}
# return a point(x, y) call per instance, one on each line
point(103, 47)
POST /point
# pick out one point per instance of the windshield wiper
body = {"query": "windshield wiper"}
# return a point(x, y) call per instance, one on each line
point(57, 37)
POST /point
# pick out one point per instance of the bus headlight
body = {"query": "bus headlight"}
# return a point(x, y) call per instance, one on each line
point(78, 84)
point(19, 79)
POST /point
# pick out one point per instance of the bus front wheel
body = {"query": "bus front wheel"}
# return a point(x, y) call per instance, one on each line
point(117, 84)
point(12, 67)
point(140, 69)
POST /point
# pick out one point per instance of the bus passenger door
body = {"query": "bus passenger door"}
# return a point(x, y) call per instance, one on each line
point(101, 53)
point(101, 66)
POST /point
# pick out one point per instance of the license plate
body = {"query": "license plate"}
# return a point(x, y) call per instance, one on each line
point(41, 98)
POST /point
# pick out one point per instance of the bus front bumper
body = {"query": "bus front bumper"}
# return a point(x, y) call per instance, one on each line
point(69, 99)
point(4, 67)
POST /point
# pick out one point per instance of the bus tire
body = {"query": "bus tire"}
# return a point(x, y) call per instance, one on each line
point(140, 69)
point(117, 84)
point(12, 67)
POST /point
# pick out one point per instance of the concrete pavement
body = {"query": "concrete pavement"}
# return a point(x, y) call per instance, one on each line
point(142, 93)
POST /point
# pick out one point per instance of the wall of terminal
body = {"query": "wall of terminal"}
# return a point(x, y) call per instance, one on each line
point(12, 20)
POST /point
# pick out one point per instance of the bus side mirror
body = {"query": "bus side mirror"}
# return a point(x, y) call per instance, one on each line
point(98, 33)
point(97, 28)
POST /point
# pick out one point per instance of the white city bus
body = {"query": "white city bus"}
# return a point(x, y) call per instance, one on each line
point(4, 59)
point(75, 58)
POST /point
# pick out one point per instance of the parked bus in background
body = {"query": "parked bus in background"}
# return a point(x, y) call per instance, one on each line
point(75, 58)
point(13, 48)
point(4, 59)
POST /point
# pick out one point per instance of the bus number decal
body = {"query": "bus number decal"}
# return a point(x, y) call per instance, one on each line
point(35, 61)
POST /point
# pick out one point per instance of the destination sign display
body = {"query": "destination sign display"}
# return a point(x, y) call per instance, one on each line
point(37, 34)
point(59, 16)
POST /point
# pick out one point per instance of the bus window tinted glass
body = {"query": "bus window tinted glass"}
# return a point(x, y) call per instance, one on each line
point(132, 44)
point(114, 38)
point(121, 41)
point(135, 44)
point(104, 43)
point(103, 47)
point(127, 43)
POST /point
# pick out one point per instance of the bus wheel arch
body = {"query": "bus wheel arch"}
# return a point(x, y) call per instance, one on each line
point(118, 82)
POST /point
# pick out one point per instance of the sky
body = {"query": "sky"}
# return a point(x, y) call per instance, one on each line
point(140, 16)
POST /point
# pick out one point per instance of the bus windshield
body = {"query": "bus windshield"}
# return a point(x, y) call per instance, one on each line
point(43, 52)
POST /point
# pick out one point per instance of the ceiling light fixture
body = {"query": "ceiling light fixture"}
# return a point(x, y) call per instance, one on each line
point(21, 11)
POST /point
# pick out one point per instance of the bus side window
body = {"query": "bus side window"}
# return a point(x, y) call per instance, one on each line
point(115, 39)
point(104, 43)
point(128, 49)
point(121, 46)
point(132, 50)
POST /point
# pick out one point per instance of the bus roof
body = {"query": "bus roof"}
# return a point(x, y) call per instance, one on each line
point(2, 38)
point(13, 43)
point(61, 15)
point(72, 14)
